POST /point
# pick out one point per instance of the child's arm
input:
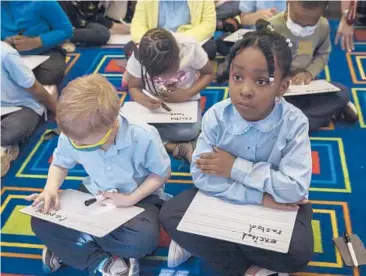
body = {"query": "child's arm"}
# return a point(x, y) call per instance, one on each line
point(217, 185)
point(135, 84)
point(62, 162)
point(321, 54)
point(135, 87)
point(42, 95)
point(207, 75)
point(249, 13)
point(288, 183)
point(155, 159)
point(178, 95)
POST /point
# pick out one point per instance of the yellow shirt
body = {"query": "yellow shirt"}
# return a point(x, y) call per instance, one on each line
point(202, 26)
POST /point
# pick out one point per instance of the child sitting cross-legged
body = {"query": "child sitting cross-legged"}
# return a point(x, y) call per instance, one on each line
point(178, 63)
point(254, 149)
point(116, 153)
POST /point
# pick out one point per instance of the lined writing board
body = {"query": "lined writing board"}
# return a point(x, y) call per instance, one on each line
point(251, 225)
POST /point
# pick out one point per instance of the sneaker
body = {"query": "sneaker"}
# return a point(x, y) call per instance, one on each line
point(177, 255)
point(258, 271)
point(116, 266)
point(69, 47)
point(50, 261)
point(8, 154)
point(184, 151)
point(349, 113)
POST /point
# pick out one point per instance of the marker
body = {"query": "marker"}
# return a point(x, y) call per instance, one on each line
point(98, 198)
point(350, 249)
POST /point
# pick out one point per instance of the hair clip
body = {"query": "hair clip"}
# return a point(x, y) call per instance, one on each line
point(271, 79)
point(289, 43)
point(270, 27)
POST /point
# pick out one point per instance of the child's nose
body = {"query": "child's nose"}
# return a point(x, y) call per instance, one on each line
point(246, 91)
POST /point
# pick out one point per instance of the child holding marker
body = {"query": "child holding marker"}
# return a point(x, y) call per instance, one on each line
point(179, 64)
point(309, 33)
point(254, 149)
point(117, 154)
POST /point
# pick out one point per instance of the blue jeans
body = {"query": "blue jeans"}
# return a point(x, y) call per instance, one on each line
point(134, 239)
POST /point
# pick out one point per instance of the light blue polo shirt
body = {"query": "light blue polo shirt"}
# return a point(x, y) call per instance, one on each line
point(253, 5)
point(16, 77)
point(173, 14)
point(137, 152)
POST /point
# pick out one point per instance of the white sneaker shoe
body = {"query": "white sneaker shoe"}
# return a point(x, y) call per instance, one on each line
point(258, 271)
point(8, 154)
point(177, 255)
point(116, 266)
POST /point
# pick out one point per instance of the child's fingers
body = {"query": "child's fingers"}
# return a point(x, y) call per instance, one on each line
point(110, 195)
point(31, 197)
point(301, 202)
point(47, 204)
point(208, 155)
point(57, 202)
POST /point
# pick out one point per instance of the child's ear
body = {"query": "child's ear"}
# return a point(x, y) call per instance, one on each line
point(284, 85)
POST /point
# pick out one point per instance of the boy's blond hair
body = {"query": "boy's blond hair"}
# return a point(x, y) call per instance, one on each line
point(87, 105)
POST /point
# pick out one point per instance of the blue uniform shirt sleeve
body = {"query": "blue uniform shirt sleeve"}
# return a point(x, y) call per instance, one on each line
point(247, 6)
point(156, 159)
point(61, 28)
point(62, 156)
point(227, 188)
point(18, 71)
point(291, 180)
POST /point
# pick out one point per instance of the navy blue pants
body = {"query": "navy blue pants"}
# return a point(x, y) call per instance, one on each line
point(229, 259)
point(135, 239)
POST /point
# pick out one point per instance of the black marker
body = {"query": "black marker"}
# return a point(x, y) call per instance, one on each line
point(98, 198)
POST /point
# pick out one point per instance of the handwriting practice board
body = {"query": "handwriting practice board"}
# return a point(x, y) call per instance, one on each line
point(9, 109)
point(314, 87)
point(234, 37)
point(33, 61)
point(181, 113)
point(119, 39)
point(251, 225)
point(95, 219)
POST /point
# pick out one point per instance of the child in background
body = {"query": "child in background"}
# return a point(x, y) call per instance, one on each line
point(254, 149)
point(173, 61)
point(116, 153)
point(250, 12)
point(226, 11)
point(19, 88)
point(309, 34)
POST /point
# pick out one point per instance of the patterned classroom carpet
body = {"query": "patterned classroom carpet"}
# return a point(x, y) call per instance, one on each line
point(337, 191)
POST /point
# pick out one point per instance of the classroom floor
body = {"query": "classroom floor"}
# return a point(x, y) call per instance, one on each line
point(337, 191)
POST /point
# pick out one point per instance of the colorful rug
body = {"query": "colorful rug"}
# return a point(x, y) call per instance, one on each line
point(337, 191)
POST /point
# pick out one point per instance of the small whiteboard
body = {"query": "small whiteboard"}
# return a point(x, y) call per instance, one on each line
point(33, 61)
point(96, 220)
point(9, 109)
point(251, 225)
point(117, 39)
point(314, 87)
point(234, 37)
point(181, 113)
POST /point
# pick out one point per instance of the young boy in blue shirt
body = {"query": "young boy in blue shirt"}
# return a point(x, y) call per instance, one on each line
point(19, 88)
point(116, 153)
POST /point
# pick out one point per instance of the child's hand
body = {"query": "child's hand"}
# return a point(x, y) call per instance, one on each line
point(119, 199)
point(269, 202)
point(150, 103)
point(302, 78)
point(218, 163)
point(25, 43)
point(176, 95)
point(49, 197)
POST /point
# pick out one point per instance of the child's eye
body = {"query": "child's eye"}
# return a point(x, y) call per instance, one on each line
point(262, 82)
point(237, 77)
